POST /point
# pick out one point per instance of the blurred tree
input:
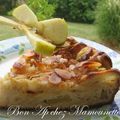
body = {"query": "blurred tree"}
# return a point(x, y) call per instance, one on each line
point(20, 2)
point(76, 10)
point(62, 8)
point(7, 5)
point(4, 6)
point(41, 8)
point(13, 3)
point(108, 20)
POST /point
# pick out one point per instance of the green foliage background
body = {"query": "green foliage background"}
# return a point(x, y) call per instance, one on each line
point(41, 8)
point(108, 20)
point(5, 6)
point(76, 10)
point(71, 10)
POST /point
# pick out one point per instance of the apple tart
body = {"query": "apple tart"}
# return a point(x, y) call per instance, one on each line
point(75, 74)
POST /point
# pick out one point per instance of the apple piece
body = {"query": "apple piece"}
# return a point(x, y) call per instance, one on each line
point(40, 28)
point(55, 30)
point(8, 21)
point(25, 15)
point(40, 45)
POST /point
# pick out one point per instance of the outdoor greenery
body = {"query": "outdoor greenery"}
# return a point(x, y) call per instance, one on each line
point(71, 10)
point(5, 6)
point(108, 20)
point(76, 10)
point(87, 31)
point(41, 8)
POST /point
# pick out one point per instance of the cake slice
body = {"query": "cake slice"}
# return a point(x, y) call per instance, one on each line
point(76, 74)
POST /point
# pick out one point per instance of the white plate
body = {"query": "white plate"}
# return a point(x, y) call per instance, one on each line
point(9, 49)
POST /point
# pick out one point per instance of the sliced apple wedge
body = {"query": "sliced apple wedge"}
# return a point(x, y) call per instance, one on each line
point(25, 15)
point(54, 29)
point(8, 21)
point(40, 45)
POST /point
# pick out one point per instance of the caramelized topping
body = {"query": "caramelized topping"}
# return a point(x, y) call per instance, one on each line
point(92, 65)
point(77, 48)
point(84, 54)
point(31, 54)
point(71, 40)
point(71, 62)
point(105, 60)
point(102, 58)
point(64, 52)
point(19, 68)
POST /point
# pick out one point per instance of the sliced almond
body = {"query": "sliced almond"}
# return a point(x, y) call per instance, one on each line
point(89, 64)
point(93, 64)
point(54, 79)
point(63, 73)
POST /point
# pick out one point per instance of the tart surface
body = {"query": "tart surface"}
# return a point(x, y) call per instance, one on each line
point(76, 74)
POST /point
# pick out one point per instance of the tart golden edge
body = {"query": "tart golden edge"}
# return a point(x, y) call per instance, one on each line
point(95, 89)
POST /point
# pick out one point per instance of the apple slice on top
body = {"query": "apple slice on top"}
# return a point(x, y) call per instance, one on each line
point(54, 30)
point(25, 15)
point(40, 44)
